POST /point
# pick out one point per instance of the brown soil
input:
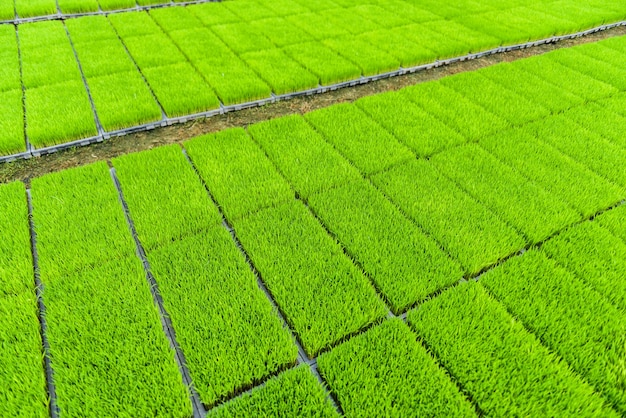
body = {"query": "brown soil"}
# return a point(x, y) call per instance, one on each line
point(26, 169)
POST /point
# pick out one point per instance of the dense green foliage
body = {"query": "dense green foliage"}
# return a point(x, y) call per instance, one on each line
point(386, 372)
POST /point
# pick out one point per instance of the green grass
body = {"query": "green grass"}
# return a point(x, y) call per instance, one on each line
point(79, 221)
point(227, 329)
point(324, 63)
point(78, 6)
point(295, 392)
point(503, 102)
point(32, 8)
point(241, 37)
point(553, 171)
point(571, 319)
point(11, 123)
point(16, 264)
point(361, 140)
point(503, 367)
point(370, 59)
point(22, 381)
point(600, 155)
point(123, 100)
point(386, 372)
point(280, 72)
point(238, 174)
point(413, 126)
point(405, 264)
point(470, 232)
point(280, 32)
point(524, 205)
point(308, 162)
point(323, 295)
point(180, 89)
point(58, 113)
point(109, 353)
point(595, 255)
point(531, 87)
point(165, 197)
point(460, 113)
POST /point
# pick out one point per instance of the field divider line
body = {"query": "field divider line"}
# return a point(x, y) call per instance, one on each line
point(19, 54)
point(318, 90)
point(303, 357)
point(198, 408)
point(39, 289)
point(64, 16)
point(82, 74)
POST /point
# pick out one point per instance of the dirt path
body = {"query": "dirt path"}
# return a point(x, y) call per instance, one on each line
point(35, 167)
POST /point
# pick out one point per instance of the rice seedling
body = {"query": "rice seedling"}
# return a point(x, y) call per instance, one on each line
point(470, 232)
point(134, 24)
point(58, 113)
point(9, 60)
point(503, 102)
point(573, 320)
point(318, 26)
point(161, 188)
point(280, 72)
point(318, 5)
point(41, 34)
point(367, 57)
point(210, 14)
point(588, 148)
point(32, 8)
point(394, 43)
point(106, 5)
point(443, 46)
point(226, 327)
point(462, 114)
point(375, 232)
point(494, 358)
point(601, 120)
point(171, 19)
point(7, 10)
point(592, 67)
point(109, 353)
point(358, 138)
point(89, 29)
point(44, 66)
point(239, 175)
point(22, 380)
point(180, 89)
point(194, 43)
point(150, 2)
point(507, 28)
point(79, 221)
point(249, 11)
point(413, 126)
point(614, 221)
point(527, 207)
point(324, 63)
point(308, 162)
point(323, 295)
point(564, 77)
point(280, 32)
point(16, 264)
point(123, 100)
point(11, 123)
point(153, 50)
point(531, 87)
point(284, 7)
point(607, 55)
point(347, 19)
point(242, 37)
point(412, 12)
point(78, 6)
point(558, 174)
point(375, 13)
point(595, 255)
point(294, 392)
point(102, 58)
point(386, 372)
point(476, 41)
